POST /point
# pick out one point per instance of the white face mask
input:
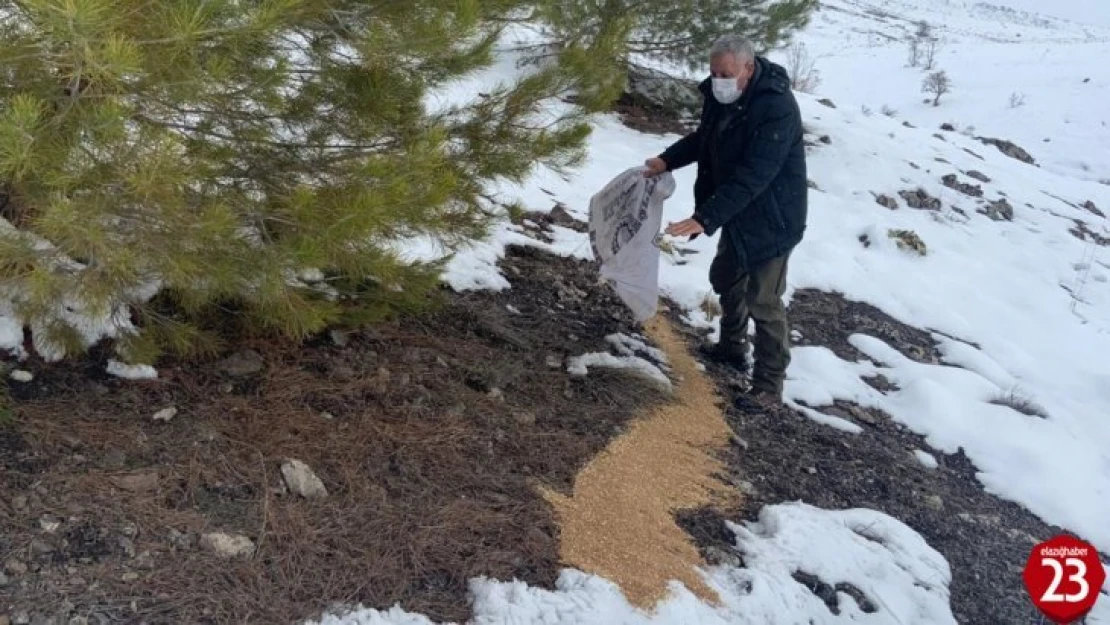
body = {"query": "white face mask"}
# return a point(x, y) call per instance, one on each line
point(726, 90)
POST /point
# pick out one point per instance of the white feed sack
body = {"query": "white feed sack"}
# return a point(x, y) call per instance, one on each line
point(625, 217)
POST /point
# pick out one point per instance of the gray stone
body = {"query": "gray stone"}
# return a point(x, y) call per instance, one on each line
point(978, 175)
point(920, 199)
point(952, 182)
point(934, 502)
point(15, 567)
point(720, 557)
point(244, 363)
point(339, 337)
point(137, 482)
point(887, 201)
point(301, 480)
point(1000, 210)
point(1009, 148)
point(228, 545)
point(165, 414)
point(128, 546)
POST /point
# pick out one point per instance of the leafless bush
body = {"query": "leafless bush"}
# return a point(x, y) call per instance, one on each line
point(929, 56)
point(924, 30)
point(936, 84)
point(1017, 99)
point(914, 52)
point(804, 76)
point(888, 111)
point(866, 110)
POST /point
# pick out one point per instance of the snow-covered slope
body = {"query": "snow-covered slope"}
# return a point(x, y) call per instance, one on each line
point(993, 54)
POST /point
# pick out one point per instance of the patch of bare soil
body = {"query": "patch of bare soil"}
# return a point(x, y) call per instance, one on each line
point(430, 435)
point(785, 457)
point(639, 114)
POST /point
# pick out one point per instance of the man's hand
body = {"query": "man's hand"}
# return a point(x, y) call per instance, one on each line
point(655, 166)
point(684, 228)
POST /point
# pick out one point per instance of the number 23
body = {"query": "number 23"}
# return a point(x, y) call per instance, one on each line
point(1080, 577)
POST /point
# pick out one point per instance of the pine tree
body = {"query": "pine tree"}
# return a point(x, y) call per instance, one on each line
point(221, 152)
point(682, 31)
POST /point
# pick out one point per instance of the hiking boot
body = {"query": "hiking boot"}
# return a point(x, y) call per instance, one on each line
point(726, 355)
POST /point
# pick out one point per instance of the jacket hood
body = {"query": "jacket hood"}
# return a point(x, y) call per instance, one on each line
point(769, 76)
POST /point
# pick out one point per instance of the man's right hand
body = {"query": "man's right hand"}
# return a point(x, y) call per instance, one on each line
point(655, 166)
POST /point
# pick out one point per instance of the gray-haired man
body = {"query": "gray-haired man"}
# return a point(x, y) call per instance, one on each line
point(751, 185)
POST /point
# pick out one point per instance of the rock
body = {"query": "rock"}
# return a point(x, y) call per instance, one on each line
point(739, 442)
point(1090, 207)
point(137, 482)
point(15, 567)
point(165, 414)
point(887, 201)
point(49, 524)
point(554, 362)
point(496, 394)
point(920, 199)
point(20, 375)
point(827, 102)
point(242, 364)
point(716, 556)
point(948, 127)
point(145, 561)
point(327, 416)
point(525, 417)
point(940, 136)
point(339, 337)
point(1000, 210)
point(1009, 148)
point(860, 414)
point(41, 547)
point(127, 545)
point(129, 577)
point(179, 540)
point(908, 125)
point(826, 139)
point(952, 182)
point(227, 545)
point(301, 480)
point(811, 470)
point(908, 240)
point(342, 373)
point(978, 175)
point(19, 502)
point(934, 502)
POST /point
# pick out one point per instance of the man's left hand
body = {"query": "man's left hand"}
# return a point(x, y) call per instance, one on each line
point(684, 228)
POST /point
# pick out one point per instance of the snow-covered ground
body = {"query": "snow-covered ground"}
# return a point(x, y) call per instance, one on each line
point(992, 54)
point(1021, 306)
point(882, 557)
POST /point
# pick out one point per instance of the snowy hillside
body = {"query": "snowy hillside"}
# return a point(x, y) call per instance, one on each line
point(1019, 304)
point(1037, 80)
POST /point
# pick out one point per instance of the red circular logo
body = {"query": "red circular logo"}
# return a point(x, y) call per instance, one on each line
point(1064, 576)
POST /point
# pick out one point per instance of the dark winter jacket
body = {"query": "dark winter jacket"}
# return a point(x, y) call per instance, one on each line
point(751, 167)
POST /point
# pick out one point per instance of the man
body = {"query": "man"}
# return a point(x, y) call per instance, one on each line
point(751, 185)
